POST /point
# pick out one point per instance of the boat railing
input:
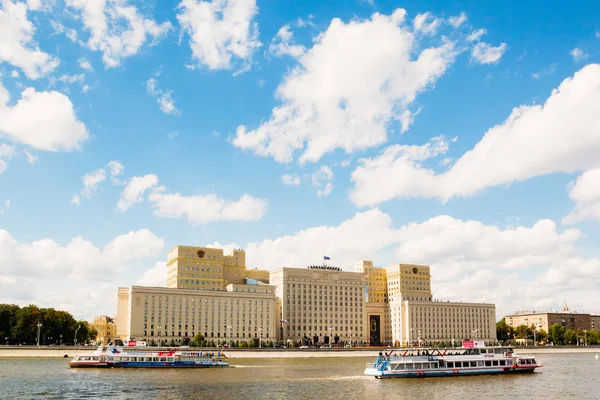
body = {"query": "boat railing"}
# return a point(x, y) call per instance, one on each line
point(371, 365)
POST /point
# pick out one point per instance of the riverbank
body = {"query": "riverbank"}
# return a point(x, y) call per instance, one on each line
point(70, 351)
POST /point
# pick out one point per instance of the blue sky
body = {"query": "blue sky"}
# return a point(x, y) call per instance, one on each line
point(460, 136)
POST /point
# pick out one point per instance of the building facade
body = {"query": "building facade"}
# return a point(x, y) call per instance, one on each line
point(595, 322)
point(401, 310)
point(105, 328)
point(206, 268)
point(164, 315)
point(320, 304)
point(544, 320)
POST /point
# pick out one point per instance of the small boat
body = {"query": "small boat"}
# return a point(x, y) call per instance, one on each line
point(432, 362)
point(117, 357)
point(597, 356)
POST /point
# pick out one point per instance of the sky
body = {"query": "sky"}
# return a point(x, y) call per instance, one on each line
point(458, 135)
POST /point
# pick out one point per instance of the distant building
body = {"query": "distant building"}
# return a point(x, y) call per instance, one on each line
point(544, 319)
point(106, 328)
point(206, 268)
point(240, 312)
point(595, 322)
point(320, 302)
point(400, 307)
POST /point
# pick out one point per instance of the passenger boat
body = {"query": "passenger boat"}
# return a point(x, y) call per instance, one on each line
point(424, 362)
point(116, 357)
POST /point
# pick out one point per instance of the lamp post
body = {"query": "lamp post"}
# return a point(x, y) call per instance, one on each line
point(39, 325)
point(76, 334)
point(260, 339)
point(585, 337)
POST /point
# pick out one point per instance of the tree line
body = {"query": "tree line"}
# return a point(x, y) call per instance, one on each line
point(19, 325)
point(558, 335)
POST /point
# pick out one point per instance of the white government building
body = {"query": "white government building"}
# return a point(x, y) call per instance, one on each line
point(214, 294)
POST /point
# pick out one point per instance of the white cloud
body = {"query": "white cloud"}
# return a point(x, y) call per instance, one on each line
point(156, 276)
point(3, 166)
point(476, 35)
point(426, 23)
point(55, 126)
point(222, 32)
point(283, 44)
point(91, 181)
point(6, 151)
point(484, 53)
point(14, 73)
point(545, 71)
point(321, 179)
point(514, 267)
point(84, 63)
point(374, 70)
point(17, 46)
point(70, 79)
point(115, 168)
point(5, 207)
point(457, 20)
point(293, 180)
point(31, 159)
point(561, 135)
point(585, 192)
point(135, 190)
point(116, 28)
point(76, 200)
point(163, 98)
point(578, 55)
point(79, 258)
point(206, 208)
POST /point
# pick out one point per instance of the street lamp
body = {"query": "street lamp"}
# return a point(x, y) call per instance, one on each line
point(39, 325)
point(76, 334)
point(585, 337)
point(260, 340)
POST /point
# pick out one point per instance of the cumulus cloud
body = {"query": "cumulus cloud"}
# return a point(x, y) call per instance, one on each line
point(475, 35)
point(513, 267)
point(293, 180)
point(92, 180)
point(55, 126)
point(484, 53)
point(84, 63)
point(578, 55)
point(458, 20)
point(283, 44)
point(163, 98)
point(426, 23)
point(222, 33)
point(116, 29)
point(561, 135)
point(17, 46)
point(374, 70)
point(322, 180)
point(155, 276)
point(6, 153)
point(585, 192)
point(79, 258)
point(135, 190)
point(200, 209)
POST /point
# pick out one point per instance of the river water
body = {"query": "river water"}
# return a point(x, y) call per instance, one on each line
point(563, 376)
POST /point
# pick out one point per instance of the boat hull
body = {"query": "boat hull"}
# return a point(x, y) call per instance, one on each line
point(446, 372)
point(148, 365)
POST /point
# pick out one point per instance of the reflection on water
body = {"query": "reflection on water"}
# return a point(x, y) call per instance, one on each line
point(563, 376)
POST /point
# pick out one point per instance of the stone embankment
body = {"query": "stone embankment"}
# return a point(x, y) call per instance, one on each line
point(70, 351)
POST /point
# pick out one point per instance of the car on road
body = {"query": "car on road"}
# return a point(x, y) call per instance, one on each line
point(304, 347)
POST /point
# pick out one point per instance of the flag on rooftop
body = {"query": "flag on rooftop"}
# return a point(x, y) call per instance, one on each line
point(326, 258)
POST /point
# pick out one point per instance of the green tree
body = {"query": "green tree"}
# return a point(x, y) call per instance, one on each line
point(557, 333)
point(8, 314)
point(522, 331)
point(198, 340)
point(593, 337)
point(541, 335)
point(25, 328)
point(92, 334)
point(570, 337)
point(503, 330)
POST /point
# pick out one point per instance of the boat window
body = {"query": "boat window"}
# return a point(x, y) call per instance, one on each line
point(418, 366)
point(533, 361)
point(410, 366)
point(400, 366)
point(509, 362)
point(473, 363)
point(495, 363)
point(163, 359)
point(483, 351)
point(426, 366)
point(156, 359)
point(502, 362)
point(488, 363)
point(450, 364)
point(480, 363)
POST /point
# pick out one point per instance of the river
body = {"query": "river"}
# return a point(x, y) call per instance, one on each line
point(563, 376)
